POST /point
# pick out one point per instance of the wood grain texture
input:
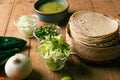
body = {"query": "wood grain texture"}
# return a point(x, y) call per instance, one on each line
point(20, 7)
point(5, 12)
point(106, 7)
point(75, 67)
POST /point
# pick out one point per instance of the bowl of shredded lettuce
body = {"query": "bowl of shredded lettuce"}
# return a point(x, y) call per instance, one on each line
point(54, 51)
point(26, 24)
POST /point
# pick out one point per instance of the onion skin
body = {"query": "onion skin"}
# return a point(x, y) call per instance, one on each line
point(18, 67)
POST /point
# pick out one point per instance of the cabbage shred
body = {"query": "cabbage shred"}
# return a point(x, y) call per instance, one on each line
point(54, 49)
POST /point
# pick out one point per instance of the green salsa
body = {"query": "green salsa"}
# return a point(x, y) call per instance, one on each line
point(52, 7)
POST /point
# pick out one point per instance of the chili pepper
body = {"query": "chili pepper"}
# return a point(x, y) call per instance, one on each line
point(7, 43)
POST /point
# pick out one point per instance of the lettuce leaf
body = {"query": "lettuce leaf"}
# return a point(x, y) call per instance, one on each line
point(54, 49)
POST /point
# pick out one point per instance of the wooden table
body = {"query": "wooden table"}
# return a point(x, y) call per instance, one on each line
point(76, 68)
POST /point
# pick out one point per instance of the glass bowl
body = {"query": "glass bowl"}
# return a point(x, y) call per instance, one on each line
point(58, 30)
point(26, 24)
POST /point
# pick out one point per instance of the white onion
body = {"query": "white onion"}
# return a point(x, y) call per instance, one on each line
point(18, 67)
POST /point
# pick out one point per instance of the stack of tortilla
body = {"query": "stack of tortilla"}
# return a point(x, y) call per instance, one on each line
point(93, 36)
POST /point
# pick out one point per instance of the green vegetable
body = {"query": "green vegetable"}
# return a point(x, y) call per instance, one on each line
point(66, 78)
point(7, 43)
point(2, 63)
point(5, 55)
point(55, 52)
point(54, 49)
point(55, 66)
point(48, 31)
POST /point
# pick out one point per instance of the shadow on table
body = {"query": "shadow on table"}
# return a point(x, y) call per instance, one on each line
point(2, 72)
point(109, 64)
point(65, 20)
point(79, 69)
point(35, 75)
point(75, 69)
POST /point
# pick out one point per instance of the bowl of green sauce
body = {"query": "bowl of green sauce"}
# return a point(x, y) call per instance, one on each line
point(51, 11)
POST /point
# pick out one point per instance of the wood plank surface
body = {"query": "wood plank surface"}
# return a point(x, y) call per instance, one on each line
point(5, 12)
point(20, 7)
point(75, 67)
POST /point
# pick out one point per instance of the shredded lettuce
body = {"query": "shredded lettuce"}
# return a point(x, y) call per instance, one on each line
point(54, 49)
